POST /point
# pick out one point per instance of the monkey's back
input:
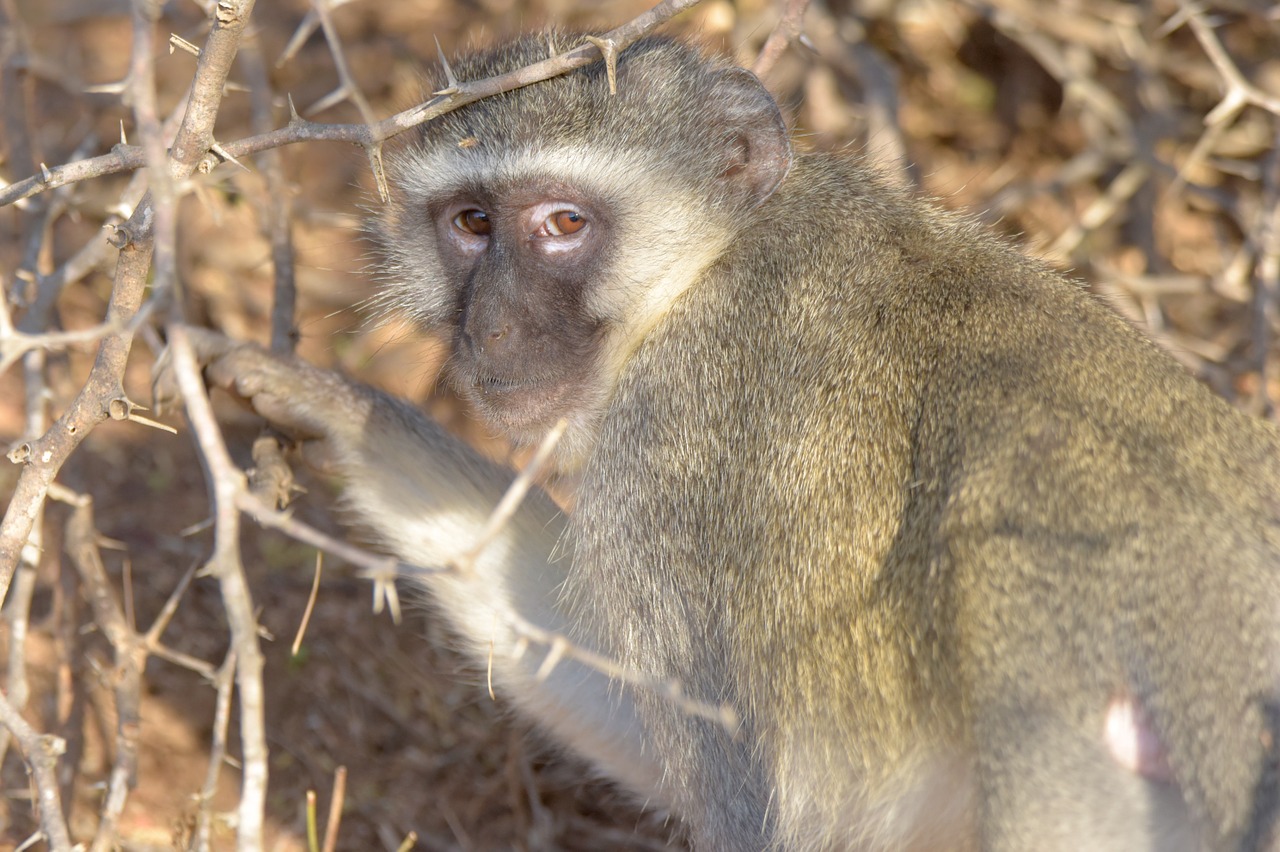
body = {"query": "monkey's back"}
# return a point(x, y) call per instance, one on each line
point(982, 449)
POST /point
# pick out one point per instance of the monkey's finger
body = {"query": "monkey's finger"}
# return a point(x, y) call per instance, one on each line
point(207, 345)
point(304, 401)
point(245, 370)
point(164, 386)
point(278, 388)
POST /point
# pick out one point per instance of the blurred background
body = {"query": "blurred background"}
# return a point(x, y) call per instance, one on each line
point(1132, 145)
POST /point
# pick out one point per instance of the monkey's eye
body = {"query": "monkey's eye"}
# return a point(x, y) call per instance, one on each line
point(473, 222)
point(562, 223)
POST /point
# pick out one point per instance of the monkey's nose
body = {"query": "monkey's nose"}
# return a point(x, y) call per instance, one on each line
point(496, 340)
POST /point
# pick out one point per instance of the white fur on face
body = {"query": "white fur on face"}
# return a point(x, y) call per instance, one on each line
point(665, 236)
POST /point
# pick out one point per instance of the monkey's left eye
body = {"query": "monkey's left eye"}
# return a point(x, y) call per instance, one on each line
point(473, 222)
point(562, 223)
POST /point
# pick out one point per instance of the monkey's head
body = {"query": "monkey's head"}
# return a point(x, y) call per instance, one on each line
point(548, 229)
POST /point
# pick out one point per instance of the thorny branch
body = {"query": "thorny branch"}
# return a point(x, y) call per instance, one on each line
point(130, 659)
point(226, 481)
point(1122, 156)
point(41, 752)
point(103, 392)
point(368, 136)
point(146, 248)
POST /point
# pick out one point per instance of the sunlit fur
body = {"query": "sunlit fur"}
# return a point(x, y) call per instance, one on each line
point(915, 506)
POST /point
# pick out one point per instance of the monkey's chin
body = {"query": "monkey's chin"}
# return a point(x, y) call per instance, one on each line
point(523, 411)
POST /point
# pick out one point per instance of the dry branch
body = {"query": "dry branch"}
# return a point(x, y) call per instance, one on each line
point(370, 136)
point(1107, 187)
point(787, 31)
point(227, 482)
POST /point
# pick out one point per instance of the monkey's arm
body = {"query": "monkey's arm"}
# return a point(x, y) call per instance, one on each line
point(428, 496)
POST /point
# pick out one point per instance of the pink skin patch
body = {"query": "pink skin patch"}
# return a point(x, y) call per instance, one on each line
point(1132, 740)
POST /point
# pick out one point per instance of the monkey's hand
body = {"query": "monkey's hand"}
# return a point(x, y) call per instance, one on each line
point(428, 497)
point(304, 402)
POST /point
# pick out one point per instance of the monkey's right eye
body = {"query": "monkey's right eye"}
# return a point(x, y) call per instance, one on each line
point(473, 222)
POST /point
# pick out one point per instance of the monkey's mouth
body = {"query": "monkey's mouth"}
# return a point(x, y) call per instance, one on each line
point(525, 408)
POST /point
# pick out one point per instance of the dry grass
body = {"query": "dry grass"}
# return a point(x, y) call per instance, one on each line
point(1081, 133)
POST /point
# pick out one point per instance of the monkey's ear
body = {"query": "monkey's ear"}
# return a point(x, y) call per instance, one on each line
point(759, 150)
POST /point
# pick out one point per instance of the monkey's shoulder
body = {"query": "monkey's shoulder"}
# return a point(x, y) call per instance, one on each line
point(883, 278)
point(912, 333)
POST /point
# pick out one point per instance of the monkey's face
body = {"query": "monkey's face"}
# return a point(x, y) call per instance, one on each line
point(548, 230)
point(544, 269)
point(524, 256)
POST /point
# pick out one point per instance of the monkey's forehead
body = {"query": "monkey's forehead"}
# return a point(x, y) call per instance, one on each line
point(432, 173)
point(663, 86)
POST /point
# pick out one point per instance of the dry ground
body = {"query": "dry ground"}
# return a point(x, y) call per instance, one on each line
point(1081, 133)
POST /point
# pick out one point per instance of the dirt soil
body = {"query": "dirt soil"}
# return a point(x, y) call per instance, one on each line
point(987, 125)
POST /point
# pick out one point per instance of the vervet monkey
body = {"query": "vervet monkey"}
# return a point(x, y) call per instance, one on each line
point(978, 566)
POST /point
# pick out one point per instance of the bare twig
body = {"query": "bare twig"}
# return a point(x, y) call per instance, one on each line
point(46, 455)
point(223, 682)
point(18, 343)
point(227, 483)
point(277, 220)
point(335, 810)
point(306, 612)
point(15, 110)
point(1240, 92)
point(130, 661)
point(511, 500)
point(16, 615)
point(126, 158)
point(1118, 193)
point(347, 89)
point(371, 564)
point(271, 477)
point(558, 647)
point(787, 31)
point(41, 752)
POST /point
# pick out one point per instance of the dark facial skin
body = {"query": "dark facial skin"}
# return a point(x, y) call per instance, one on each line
point(526, 255)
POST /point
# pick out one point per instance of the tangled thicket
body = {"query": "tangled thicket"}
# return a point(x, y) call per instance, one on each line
point(149, 682)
